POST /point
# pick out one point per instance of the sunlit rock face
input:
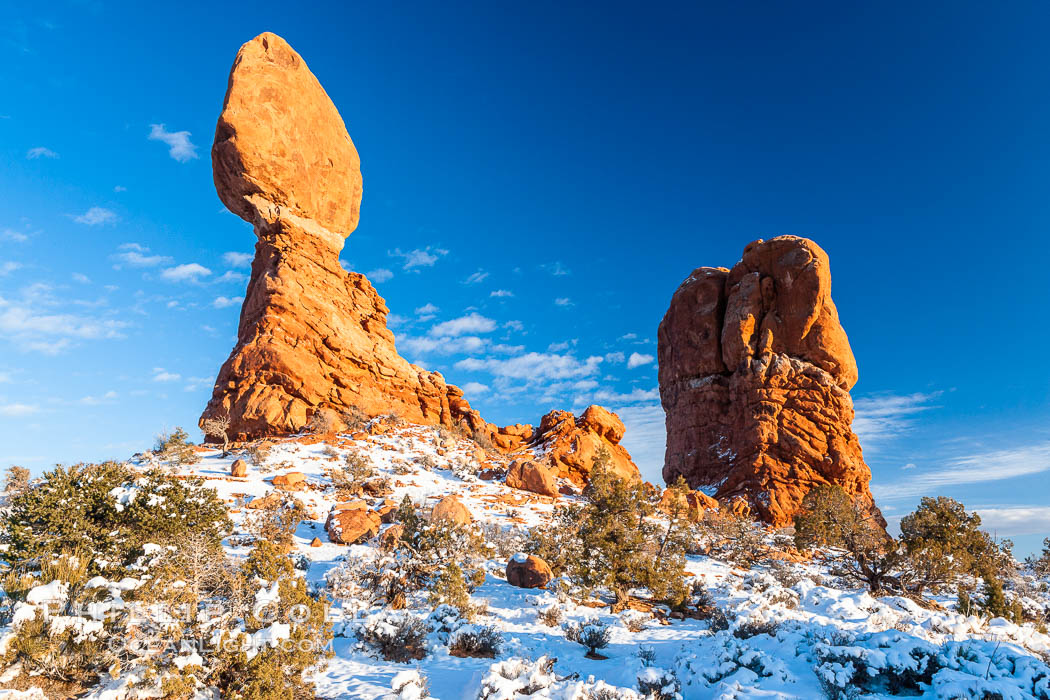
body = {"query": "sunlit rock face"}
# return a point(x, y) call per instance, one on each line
point(755, 373)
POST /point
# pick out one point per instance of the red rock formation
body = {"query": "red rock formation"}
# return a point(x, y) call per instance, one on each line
point(312, 336)
point(571, 444)
point(755, 373)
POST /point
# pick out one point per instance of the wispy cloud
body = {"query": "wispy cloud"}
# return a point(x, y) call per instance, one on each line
point(136, 255)
point(380, 275)
point(476, 277)
point(882, 417)
point(13, 410)
point(533, 366)
point(983, 467)
point(223, 302)
point(40, 152)
point(470, 324)
point(637, 359)
point(96, 216)
point(501, 293)
point(32, 323)
point(475, 388)
point(162, 375)
point(645, 438)
point(419, 257)
point(187, 272)
point(11, 235)
point(8, 267)
point(555, 268)
point(426, 311)
point(563, 301)
point(235, 259)
point(1009, 521)
point(179, 145)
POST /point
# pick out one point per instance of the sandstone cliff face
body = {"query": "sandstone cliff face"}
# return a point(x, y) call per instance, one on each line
point(312, 336)
point(755, 372)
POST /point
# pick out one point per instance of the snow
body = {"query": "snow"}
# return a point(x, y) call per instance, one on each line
point(817, 631)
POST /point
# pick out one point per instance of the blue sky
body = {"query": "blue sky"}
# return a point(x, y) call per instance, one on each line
point(538, 180)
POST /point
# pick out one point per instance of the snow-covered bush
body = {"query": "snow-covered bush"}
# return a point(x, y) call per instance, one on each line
point(519, 677)
point(552, 616)
point(395, 635)
point(593, 634)
point(659, 684)
point(408, 685)
point(477, 641)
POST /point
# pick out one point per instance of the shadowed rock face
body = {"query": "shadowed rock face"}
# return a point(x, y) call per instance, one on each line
point(312, 336)
point(755, 373)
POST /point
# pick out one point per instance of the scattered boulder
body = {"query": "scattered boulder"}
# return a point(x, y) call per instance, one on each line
point(387, 511)
point(755, 373)
point(239, 468)
point(316, 542)
point(451, 509)
point(350, 525)
point(528, 571)
point(391, 536)
point(530, 476)
point(270, 500)
point(290, 481)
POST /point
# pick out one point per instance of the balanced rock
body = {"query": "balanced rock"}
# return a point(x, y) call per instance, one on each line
point(239, 468)
point(572, 444)
point(755, 373)
point(312, 336)
point(528, 571)
point(530, 476)
point(451, 509)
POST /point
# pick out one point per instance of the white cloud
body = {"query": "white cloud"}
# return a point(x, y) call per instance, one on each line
point(8, 267)
point(558, 347)
point(533, 366)
point(426, 311)
point(179, 145)
point(33, 325)
point(563, 301)
point(187, 272)
point(420, 257)
point(477, 277)
point(135, 255)
point(996, 465)
point(447, 345)
point(81, 277)
point(645, 439)
point(555, 268)
point(615, 357)
point(501, 293)
point(471, 323)
point(235, 259)
point(96, 216)
point(223, 302)
point(161, 375)
point(230, 276)
point(637, 360)
point(97, 400)
point(12, 235)
point(1010, 521)
point(18, 409)
point(475, 388)
point(40, 152)
point(379, 275)
point(882, 417)
point(514, 325)
point(120, 188)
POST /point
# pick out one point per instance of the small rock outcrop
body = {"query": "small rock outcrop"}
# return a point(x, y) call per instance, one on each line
point(312, 336)
point(352, 522)
point(571, 444)
point(755, 372)
point(528, 571)
point(527, 475)
point(451, 509)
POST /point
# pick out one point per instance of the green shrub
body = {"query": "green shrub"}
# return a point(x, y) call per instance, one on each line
point(176, 447)
point(107, 512)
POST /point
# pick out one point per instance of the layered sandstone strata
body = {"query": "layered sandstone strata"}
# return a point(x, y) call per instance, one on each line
point(755, 373)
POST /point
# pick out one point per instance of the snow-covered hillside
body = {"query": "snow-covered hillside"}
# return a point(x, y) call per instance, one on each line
point(783, 630)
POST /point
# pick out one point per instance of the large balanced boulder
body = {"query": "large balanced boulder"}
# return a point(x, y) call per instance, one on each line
point(312, 336)
point(755, 373)
point(528, 571)
point(530, 476)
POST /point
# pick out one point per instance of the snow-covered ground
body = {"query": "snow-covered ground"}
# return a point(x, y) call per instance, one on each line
point(786, 633)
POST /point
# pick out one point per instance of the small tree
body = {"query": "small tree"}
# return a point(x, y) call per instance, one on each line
point(16, 480)
point(218, 427)
point(862, 551)
point(1042, 564)
point(176, 447)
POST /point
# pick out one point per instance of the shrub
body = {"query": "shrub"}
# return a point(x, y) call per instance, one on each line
point(278, 521)
point(109, 513)
point(942, 542)
point(506, 541)
point(864, 552)
point(259, 452)
point(733, 536)
point(1041, 565)
point(408, 685)
point(659, 684)
point(752, 628)
point(480, 642)
point(551, 617)
point(218, 427)
point(593, 634)
point(396, 636)
point(349, 481)
point(354, 418)
point(16, 480)
point(176, 447)
point(324, 421)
